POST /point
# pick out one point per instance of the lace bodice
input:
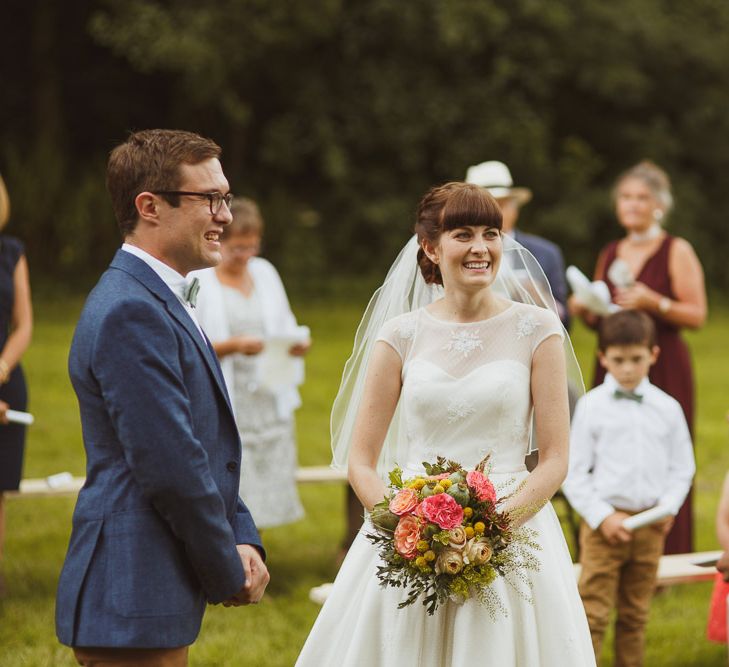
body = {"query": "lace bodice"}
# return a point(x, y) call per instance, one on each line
point(466, 386)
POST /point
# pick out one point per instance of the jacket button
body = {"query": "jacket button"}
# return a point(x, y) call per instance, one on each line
point(232, 466)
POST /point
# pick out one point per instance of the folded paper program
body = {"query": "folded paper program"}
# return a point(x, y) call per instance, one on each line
point(278, 368)
point(594, 295)
point(646, 518)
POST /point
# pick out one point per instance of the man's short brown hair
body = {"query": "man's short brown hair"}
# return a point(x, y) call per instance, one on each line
point(148, 161)
point(626, 327)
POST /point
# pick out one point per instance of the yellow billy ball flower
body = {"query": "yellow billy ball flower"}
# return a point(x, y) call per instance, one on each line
point(446, 483)
point(479, 527)
point(467, 511)
point(419, 483)
point(422, 546)
point(429, 555)
point(421, 562)
point(469, 532)
point(438, 488)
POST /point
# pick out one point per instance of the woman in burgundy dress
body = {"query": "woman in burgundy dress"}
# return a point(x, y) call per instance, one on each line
point(651, 270)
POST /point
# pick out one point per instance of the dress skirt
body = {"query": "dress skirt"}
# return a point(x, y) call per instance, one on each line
point(360, 623)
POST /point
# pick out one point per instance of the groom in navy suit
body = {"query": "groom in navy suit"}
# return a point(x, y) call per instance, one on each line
point(159, 531)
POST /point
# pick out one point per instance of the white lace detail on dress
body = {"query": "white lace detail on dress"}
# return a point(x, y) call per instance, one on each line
point(406, 328)
point(526, 325)
point(464, 341)
point(519, 431)
point(459, 408)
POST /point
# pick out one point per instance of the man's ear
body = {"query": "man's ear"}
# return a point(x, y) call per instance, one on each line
point(430, 252)
point(147, 206)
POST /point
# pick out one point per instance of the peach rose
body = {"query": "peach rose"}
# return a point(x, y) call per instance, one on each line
point(404, 501)
point(477, 551)
point(407, 534)
point(443, 510)
point(481, 485)
point(449, 561)
point(457, 538)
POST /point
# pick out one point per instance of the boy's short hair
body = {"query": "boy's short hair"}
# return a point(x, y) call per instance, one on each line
point(626, 327)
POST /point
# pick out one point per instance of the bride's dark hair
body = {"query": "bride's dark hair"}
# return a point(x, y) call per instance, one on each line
point(450, 206)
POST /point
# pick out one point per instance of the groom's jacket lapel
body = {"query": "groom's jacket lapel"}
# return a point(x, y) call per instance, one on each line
point(143, 273)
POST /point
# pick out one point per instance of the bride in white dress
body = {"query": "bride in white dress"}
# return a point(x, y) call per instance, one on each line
point(459, 377)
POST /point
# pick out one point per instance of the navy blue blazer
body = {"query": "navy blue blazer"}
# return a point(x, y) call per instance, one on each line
point(550, 259)
point(157, 522)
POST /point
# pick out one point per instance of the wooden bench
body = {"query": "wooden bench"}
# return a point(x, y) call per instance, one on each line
point(672, 570)
point(41, 487)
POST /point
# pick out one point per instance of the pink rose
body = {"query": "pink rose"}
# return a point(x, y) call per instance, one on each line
point(407, 534)
point(481, 485)
point(404, 501)
point(443, 510)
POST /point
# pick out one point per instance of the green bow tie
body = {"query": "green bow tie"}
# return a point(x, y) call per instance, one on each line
point(630, 395)
point(189, 294)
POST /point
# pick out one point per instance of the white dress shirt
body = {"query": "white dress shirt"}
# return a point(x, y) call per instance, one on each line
point(628, 455)
point(175, 281)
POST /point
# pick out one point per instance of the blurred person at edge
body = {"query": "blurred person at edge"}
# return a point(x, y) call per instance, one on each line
point(495, 177)
point(716, 629)
point(661, 275)
point(242, 303)
point(16, 326)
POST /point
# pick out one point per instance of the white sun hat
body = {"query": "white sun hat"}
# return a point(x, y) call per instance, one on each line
point(495, 177)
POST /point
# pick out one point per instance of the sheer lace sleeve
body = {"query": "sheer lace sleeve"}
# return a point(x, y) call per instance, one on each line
point(399, 333)
point(539, 324)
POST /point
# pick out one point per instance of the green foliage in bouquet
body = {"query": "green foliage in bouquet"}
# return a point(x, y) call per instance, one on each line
point(441, 537)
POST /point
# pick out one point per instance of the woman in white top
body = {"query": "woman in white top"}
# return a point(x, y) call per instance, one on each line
point(242, 304)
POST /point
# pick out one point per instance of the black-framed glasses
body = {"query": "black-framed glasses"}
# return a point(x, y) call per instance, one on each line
point(215, 199)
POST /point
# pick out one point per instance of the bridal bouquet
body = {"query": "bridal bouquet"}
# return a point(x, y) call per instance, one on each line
point(440, 535)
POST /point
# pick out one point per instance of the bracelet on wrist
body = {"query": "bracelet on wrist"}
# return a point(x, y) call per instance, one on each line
point(664, 305)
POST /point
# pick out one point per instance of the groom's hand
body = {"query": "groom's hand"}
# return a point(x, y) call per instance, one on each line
point(257, 577)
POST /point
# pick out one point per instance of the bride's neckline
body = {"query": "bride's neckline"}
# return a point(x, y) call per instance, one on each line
point(455, 322)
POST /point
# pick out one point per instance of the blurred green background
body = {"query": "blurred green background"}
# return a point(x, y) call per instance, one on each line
point(337, 115)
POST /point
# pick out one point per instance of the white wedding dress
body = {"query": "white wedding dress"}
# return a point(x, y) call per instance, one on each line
point(466, 392)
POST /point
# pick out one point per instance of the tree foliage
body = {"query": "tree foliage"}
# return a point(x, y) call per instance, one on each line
point(338, 114)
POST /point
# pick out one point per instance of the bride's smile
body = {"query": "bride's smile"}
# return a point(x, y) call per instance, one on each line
point(469, 256)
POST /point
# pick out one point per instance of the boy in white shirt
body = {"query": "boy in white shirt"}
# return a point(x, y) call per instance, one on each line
point(630, 450)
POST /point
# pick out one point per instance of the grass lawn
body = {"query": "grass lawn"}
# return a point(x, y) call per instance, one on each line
point(301, 555)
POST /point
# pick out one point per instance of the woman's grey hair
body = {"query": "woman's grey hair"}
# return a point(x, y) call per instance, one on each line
point(655, 178)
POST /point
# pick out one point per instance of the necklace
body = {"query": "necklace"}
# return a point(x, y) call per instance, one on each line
point(653, 232)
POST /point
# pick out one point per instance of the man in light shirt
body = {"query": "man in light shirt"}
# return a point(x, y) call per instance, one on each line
point(159, 531)
point(495, 177)
point(630, 451)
